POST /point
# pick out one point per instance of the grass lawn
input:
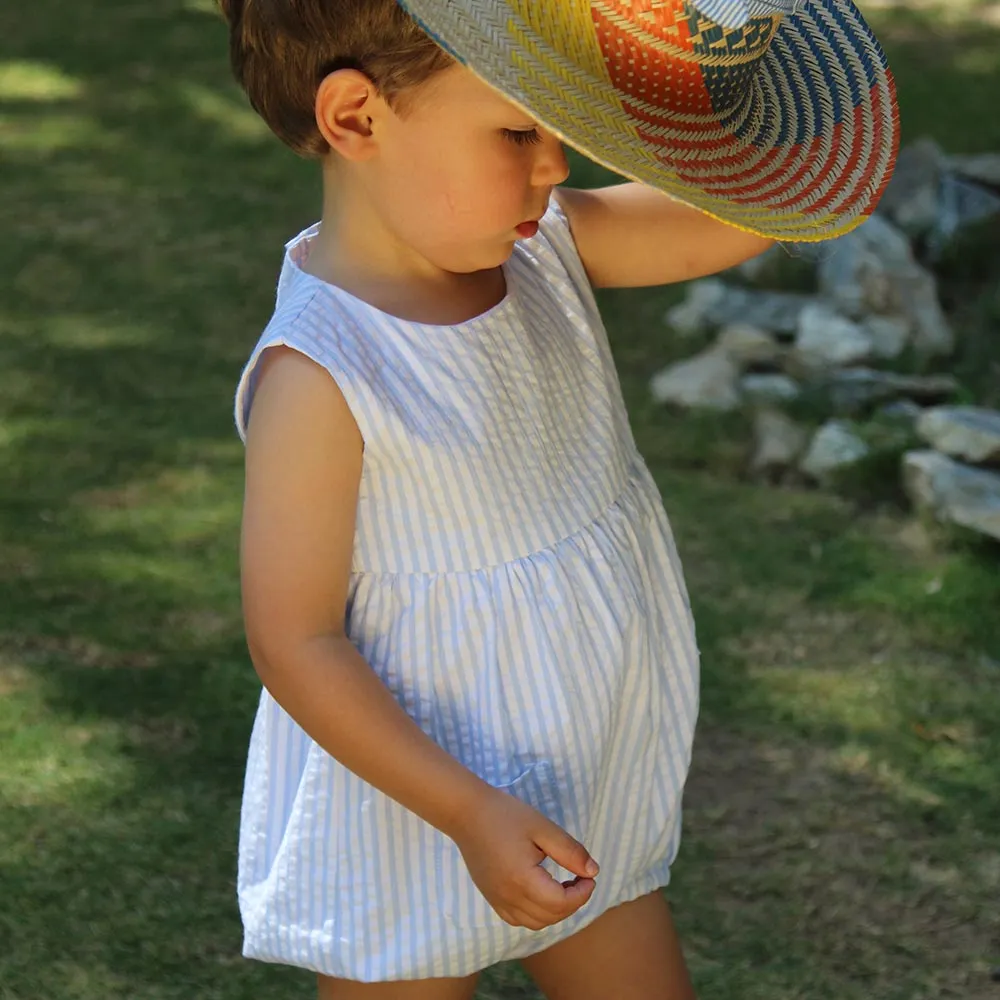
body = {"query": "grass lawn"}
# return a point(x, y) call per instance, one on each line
point(843, 811)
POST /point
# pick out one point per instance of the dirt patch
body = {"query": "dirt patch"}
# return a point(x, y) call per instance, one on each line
point(13, 678)
point(79, 650)
point(867, 889)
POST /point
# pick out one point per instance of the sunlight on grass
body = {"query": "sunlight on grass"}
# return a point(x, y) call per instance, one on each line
point(177, 507)
point(855, 699)
point(238, 121)
point(36, 81)
point(854, 760)
point(50, 759)
point(89, 334)
point(48, 133)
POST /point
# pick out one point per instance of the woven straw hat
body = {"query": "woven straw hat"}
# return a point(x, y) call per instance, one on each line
point(776, 116)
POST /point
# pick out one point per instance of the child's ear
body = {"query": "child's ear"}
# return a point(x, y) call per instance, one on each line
point(347, 106)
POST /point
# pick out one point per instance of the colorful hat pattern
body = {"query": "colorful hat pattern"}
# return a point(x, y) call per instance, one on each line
point(776, 116)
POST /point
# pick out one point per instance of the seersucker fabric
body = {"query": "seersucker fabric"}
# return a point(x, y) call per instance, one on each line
point(516, 585)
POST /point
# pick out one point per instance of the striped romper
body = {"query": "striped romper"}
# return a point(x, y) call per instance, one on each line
point(516, 586)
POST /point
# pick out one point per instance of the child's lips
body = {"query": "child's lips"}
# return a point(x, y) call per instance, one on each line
point(527, 229)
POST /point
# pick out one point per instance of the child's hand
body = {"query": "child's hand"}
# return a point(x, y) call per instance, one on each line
point(503, 845)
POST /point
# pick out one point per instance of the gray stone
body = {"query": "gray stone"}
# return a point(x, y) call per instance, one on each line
point(691, 316)
point(777, 312)
point(855, 273)
point(854, 390)
point(963, 201)
point(981, 167)
point(932, 333)
point(712, 303)
point(834, 446)
point(889, 334)
point(971, 433)
point(872, 270)
point(747, 345)
point(779, 441)
point(825, 339)
point(911, 199)
point(952, 492)
point(903, 411)
point(708, 380)
point(769, 388)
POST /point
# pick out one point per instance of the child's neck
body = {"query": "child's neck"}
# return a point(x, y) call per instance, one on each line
point(354, 251)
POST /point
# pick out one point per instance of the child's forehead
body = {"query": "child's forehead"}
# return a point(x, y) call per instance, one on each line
point(460, 90)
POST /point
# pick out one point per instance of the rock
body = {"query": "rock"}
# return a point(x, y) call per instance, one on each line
point(902, 411)
point(777, 312)
point(778, 441)
point(834, 446)
point(963, 201)
point(911, 199)
point(853, 390)
point(691, 316)
point(932, 333)
point(825, 339)
point(971, 433)
point(952, 492)
point(984, 168)
point(854, 274)
point(708, 380)
point(889, 334)
point(747, 345)
point(712, 303)
point(872, 270)
point(769, 388)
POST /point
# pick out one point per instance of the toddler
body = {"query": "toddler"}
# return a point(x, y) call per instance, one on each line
point(461, 591)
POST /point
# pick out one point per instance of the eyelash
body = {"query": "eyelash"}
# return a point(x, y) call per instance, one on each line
point(529, 138)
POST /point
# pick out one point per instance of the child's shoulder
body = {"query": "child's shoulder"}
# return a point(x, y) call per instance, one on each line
point(555, 251)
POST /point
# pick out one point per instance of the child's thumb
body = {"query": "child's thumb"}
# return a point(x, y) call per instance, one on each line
point(567, 852)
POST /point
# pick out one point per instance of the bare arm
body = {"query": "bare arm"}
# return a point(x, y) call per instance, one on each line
point(631, 235)
point(303, 468)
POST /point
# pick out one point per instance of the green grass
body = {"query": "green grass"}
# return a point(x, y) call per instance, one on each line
point(843, 809)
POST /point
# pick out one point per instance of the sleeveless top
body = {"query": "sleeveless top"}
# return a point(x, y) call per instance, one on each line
point(516, 586)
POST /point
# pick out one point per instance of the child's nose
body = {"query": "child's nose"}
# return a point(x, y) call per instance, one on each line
point(551, 165)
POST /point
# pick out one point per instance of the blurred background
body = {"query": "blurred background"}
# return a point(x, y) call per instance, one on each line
point(827, 469)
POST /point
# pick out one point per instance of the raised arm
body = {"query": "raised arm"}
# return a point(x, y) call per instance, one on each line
point(631, 235)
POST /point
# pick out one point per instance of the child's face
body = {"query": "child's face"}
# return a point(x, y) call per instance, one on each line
point(460, 171)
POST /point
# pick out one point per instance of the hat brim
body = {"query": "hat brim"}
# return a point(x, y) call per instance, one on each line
point(805, 154)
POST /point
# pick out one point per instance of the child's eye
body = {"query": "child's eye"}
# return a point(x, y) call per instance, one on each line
point(525, 138)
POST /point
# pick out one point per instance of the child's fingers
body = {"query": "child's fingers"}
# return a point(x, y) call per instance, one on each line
point(578, 892)
point(566, 851)
point(556, 900)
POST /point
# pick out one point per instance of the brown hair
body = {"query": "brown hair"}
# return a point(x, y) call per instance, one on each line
point(281, 50)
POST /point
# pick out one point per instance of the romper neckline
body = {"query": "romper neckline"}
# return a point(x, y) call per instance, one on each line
point(297, 252)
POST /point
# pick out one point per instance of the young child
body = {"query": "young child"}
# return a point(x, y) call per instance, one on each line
point(461, 590)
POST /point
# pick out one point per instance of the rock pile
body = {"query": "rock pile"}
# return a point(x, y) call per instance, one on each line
point(952, 479)
point(875, 304)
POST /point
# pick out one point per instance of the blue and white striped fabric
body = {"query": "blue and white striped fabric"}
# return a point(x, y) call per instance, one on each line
point(516, 586)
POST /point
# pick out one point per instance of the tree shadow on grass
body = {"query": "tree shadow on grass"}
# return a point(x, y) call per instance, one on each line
point(145, 210)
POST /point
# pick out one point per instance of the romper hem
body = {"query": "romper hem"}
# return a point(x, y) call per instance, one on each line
point(532, 942)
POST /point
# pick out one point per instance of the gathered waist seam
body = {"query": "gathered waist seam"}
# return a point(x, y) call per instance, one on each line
point(635, 468)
